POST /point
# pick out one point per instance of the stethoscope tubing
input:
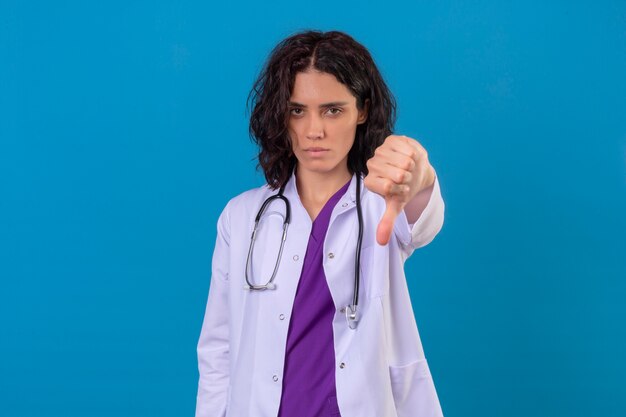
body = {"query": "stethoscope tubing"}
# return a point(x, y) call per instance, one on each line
point(351, 310)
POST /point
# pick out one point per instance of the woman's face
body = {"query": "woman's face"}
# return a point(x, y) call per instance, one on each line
point(323, 117)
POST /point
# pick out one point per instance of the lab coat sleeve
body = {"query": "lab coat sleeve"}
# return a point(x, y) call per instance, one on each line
point(213, 345)
point(424, 230)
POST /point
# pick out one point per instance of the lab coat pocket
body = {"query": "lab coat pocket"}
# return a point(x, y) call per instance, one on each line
point(413, 390)
point(375, 271)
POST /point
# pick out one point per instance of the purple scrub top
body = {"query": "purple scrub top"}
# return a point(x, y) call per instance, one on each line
point(309, 375)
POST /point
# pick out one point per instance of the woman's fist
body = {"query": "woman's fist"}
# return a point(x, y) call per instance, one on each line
point(398, 170)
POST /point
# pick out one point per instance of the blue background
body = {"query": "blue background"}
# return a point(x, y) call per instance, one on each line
point(123, 132)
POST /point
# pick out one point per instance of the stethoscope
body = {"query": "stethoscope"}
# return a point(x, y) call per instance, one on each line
point(350, 310)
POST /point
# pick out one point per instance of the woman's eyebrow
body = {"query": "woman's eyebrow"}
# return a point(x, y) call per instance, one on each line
point(321, 106)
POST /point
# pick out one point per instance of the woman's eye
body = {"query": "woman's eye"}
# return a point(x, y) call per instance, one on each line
point(296, 111)
point(334, 111)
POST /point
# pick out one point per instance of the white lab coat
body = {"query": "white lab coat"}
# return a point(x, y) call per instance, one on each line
point(241, 350)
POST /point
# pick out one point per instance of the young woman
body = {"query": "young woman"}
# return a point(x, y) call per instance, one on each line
point(310, 315)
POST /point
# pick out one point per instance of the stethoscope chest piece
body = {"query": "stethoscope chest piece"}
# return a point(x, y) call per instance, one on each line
point(351, 317)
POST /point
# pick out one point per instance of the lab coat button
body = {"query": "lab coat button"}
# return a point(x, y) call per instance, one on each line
point(343, 365)
point(343, 309)
point(344, 205)
point(331, 255)
point(275, 378)
point(282, 317)
point(296, 257)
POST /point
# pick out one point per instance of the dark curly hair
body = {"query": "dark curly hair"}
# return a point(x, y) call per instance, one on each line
point(331, 52)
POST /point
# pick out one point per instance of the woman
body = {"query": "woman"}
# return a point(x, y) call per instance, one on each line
point(290, 333)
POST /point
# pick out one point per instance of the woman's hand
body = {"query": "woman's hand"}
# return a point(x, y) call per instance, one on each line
point(398, 171)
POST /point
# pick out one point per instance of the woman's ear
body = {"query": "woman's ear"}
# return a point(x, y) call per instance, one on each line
point(363, 112)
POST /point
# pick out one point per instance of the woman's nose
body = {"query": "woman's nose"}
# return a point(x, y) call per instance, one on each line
point(315, 128)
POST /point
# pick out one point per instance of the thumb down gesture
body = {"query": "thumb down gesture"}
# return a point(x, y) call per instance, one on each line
point(398, 170)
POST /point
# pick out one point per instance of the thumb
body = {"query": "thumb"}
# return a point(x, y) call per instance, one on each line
point(385, 226)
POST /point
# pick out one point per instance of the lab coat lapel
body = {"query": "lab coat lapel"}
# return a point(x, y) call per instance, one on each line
point(341, 239)
point(347, 201)
point(300, 219)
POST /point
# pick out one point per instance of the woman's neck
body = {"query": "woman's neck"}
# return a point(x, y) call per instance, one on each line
point(316, 188)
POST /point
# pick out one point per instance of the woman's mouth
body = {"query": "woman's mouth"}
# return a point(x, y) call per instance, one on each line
point(316, 151)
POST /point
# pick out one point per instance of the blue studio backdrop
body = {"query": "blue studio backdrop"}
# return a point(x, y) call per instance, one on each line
point(123, 133)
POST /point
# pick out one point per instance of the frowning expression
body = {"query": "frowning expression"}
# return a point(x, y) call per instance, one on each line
point(323, 117)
